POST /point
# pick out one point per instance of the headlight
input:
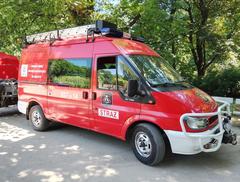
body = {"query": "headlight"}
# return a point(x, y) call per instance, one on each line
point(196, 123)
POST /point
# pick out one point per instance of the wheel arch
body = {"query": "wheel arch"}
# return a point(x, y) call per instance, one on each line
point(30, 105)
point(130, 128)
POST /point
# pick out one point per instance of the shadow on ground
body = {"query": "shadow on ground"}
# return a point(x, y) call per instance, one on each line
point(67, 153)
point(9, 111)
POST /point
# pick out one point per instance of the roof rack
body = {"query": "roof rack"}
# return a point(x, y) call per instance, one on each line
point(59, 34)
point(100, 27)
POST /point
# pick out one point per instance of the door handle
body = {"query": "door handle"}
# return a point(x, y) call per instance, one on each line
point(85, 95)
point(94, 96)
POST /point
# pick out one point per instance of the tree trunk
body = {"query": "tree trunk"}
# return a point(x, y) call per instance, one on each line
point(201, 72)
point(197, 43)
point(174, 63)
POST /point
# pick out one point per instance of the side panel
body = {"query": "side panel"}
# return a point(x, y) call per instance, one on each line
point(109, 119)
point(70, 104)
point(32, 92)
point(32, 76)
point(34, 63)
point(9, 68)
point(81, 50)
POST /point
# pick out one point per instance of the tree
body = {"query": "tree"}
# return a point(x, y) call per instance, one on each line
point(189, 33)
point(211, 25)
point(20, 18)
point(193, 35)
point(81, 11)
point(125, 14)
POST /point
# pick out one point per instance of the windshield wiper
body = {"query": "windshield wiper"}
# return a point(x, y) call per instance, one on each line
point(181, 81)
point(170, 84)
point(164, 84)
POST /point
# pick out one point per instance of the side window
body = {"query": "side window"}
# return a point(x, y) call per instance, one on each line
point(113, 73)
point(125, 73)
point(70, 72)
point(107, 73)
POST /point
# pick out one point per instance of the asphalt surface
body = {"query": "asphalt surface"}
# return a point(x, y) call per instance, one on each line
point(66, 153)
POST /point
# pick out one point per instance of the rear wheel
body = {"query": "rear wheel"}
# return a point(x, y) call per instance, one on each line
point(37, 118)
point(148, 144)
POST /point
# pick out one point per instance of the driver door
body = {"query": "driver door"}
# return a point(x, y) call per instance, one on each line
point(111, 105)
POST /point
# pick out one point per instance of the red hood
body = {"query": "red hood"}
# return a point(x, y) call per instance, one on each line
point(192, 100)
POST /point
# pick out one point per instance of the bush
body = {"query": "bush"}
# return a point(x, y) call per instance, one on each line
point(224, 84)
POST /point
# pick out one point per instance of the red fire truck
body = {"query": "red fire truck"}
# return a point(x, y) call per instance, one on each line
point(8, 80)
point(99, 78)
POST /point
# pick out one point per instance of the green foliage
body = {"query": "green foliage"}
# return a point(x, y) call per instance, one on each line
point(192, 35)
point(25, 17)
point(125, 14)
point(62, 67)
point(73, 81)
point(199, 38)
point(81, 11)
point(195, 37)
point(63, 72)
point(106, 77)
point(225, 83)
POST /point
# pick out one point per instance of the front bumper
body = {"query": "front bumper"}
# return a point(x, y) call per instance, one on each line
point(208, 141)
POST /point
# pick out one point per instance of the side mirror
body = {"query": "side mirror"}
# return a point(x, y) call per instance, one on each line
point(133, 86)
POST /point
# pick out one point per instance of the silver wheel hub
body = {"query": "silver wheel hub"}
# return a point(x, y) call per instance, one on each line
point(36, 118)
point(143, 144)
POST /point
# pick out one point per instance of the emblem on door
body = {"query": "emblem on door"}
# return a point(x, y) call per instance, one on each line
point(107, 99)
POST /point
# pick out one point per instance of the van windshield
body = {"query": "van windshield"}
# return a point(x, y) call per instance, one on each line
point(156, 71)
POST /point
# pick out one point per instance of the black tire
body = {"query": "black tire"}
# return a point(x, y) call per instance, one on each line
point(157, 143)
point(38, 123)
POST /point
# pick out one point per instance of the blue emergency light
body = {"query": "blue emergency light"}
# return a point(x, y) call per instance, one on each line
point(107, 29)
point(110, 30)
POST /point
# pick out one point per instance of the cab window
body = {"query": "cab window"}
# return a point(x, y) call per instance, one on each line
point(125, 73)
point(114, 73)
point(107, 73)
point(70, 72)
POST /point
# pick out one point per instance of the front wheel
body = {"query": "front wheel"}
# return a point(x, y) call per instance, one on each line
point(37, 118)
point(148, 144)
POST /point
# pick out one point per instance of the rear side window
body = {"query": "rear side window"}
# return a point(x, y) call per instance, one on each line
point(70, 72)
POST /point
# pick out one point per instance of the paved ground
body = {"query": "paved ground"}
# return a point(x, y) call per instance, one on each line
point(68, 153)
